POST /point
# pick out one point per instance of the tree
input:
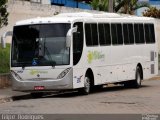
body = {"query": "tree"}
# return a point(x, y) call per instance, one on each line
point(122, 6)
point(129, 6)
point(111, 4)
point(101, 5)
point(152, 12)
point(3, 13)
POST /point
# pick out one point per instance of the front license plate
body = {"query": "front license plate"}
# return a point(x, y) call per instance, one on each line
point(39, 88)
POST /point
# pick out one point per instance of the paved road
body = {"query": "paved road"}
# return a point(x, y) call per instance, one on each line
point(107, 100)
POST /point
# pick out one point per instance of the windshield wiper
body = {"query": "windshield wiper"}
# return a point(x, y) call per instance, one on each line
point(51, 61)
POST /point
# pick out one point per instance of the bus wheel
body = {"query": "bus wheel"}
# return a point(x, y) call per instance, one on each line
point(137, 81)
point(37, 94)
point(87, 86)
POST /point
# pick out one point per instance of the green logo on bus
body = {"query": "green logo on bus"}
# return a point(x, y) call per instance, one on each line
point(33, 72)
point(94, 55)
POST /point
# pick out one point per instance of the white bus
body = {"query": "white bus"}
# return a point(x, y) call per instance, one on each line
point(82, 50)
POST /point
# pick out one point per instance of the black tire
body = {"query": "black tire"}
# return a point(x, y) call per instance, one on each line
point(37, 94)
point(138, 80)
point(87, 87)
point(135, 83)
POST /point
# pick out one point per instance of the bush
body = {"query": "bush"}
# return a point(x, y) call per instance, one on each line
point(4, 59)
point(152, 12)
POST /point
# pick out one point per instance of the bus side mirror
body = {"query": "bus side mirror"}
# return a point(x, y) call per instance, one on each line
point(69, 36)
point(68, 42)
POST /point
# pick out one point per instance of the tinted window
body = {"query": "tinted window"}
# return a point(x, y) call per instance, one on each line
point(102, 39)
point(40, 45)
point(152, 33)
point(131, 33)
point(107, 34)
point(137, 33)
point(117, 37)
point(119, 34)
point(149, 33)
point(126, 34)
point(77, 43)
point(88, 35)
point(141, 30)
point(114, 34)
point(94, 34)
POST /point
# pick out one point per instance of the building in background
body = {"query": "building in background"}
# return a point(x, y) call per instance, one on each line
point(82, 4)
point(153, 3)
point(72, 3)
point(41, 1)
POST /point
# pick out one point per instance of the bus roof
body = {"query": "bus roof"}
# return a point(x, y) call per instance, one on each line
point(86, 16)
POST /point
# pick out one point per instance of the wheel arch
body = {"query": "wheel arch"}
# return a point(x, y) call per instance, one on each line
point(90, 74)
point(141, 68)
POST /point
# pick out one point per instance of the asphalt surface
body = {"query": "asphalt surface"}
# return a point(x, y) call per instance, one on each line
point(109, 100)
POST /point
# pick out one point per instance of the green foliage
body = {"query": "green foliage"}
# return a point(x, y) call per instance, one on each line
point(101, 5)
point(122, 6)
point(4, 59)
point(129, 6)
point(152, 12)
point(3, 13)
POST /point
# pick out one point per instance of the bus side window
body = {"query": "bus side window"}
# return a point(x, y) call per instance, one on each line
point(131, 34)
point(136, 33)
point(126, 34)
point(102, 39)
point(141, 30)
point(77, 42)
point(88, 34)
point(114, 34)
point(152, 33)
point(119, 34)
point(117, 38)
point(107, 33)
point(94, 34)
point(149, 33)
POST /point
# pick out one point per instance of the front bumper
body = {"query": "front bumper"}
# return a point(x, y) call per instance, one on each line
point(65, 83)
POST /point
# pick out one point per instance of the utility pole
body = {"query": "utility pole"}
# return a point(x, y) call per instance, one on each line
point(110, 5)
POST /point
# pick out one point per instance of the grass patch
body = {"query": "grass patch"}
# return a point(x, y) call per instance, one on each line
point(4, 59)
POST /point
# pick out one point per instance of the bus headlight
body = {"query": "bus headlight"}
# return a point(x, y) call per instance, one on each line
point(16, 75)
point(62, 74)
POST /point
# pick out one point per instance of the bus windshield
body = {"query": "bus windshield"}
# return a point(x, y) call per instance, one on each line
point(40, 45)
